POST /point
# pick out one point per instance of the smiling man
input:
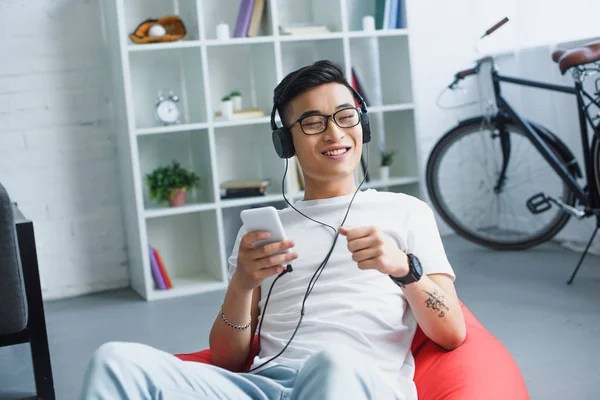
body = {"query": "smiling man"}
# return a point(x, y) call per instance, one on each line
point(368, 267)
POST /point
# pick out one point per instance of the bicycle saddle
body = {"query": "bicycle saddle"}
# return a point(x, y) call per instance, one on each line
point(569, 58)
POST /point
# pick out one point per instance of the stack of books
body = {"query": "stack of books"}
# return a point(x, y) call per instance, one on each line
point(249, 18)
point(159, 272)
point(244, 188)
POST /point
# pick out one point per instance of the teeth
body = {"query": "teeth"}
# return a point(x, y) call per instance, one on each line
point(335, 152)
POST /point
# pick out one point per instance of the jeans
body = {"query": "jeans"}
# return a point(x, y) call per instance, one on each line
point(135, 371)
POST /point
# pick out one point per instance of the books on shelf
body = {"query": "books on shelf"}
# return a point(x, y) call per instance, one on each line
point(389, 14)
point(244, 188)
point(249, 18)
point(303, 29)
point(159, 272)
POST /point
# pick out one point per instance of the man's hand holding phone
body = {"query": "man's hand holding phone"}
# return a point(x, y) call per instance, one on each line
point(257, 263)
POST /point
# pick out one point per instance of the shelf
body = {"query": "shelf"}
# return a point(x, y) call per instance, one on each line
point(248, 201)
point(406, 180)
point(226, 11)
point(189, 247)
point(180, 44)
point(378, 33)
point(242, 122)
point(187, 286)
point(297, 54)
point(385, 80)
point(167, 211)
point(176, 70)
point(393, 131)
point(246, 152)
point(191, 149)
point(357, 9)
point(137, 11)
point(313, 12)
point(249, 69)
point(171, 128)
point(243, 40)
point(323, 36)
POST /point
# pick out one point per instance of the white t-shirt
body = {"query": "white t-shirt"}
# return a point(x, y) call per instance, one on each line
point(363, 310)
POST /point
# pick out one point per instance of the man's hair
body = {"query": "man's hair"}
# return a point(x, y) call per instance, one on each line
point(303, 79)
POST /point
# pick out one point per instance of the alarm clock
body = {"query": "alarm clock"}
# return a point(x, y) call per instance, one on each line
point(167, 108)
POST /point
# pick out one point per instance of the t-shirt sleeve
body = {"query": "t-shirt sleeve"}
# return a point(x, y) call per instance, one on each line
point(425, 242)
point(232, 261)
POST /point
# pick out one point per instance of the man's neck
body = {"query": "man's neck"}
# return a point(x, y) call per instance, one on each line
point(315, 190)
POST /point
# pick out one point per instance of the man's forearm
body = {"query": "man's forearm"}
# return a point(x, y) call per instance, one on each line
point(439, 314)
point(230, 347)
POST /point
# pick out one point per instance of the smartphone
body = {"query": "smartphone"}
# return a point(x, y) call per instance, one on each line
point(264, 219)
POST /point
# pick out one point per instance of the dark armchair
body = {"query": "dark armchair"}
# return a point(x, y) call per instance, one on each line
point(21, 308)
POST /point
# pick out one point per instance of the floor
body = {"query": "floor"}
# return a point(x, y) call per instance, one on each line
point(551, 329)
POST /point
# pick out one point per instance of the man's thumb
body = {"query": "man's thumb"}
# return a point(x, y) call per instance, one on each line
point(343, 231)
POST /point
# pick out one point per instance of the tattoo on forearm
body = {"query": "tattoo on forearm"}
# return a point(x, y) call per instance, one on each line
point(436, 302)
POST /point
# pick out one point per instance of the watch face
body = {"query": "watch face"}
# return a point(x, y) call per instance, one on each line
point(168, 112)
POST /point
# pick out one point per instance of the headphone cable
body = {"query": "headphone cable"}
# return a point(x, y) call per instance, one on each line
point(316, 274)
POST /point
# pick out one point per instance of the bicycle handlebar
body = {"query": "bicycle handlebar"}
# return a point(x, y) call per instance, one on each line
point(495, 27)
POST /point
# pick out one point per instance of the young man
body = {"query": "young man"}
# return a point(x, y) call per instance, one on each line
point(386, 272)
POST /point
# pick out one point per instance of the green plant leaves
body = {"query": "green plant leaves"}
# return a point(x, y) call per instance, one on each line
point(166, 179)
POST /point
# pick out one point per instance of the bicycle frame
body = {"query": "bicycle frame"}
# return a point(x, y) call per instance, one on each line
point(590, 199)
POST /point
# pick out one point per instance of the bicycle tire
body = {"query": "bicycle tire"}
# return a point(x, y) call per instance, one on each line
point(471, 127)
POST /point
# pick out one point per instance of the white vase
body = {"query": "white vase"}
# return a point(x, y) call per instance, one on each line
point(384, 173)
point(237, 103)
point(227, 109)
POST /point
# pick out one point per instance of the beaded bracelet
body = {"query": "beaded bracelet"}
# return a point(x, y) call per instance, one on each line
point(235, 326)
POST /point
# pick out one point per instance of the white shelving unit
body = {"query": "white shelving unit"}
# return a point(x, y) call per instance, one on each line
point(196, 239)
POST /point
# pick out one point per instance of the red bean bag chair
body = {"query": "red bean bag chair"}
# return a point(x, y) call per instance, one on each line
point(480, 369)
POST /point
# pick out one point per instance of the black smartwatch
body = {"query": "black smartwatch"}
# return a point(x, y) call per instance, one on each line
point(415, 272)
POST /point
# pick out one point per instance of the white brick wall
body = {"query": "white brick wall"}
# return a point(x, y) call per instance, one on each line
point(57, 147)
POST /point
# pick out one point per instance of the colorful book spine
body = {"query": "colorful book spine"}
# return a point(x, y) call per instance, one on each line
point(393, 20)
point(243, 19)
point(158, 279)
point(163, 270)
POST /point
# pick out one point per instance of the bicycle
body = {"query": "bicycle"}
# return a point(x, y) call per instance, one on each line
point(518, 182)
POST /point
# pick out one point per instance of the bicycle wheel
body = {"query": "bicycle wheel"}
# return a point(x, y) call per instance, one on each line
point(462, 178)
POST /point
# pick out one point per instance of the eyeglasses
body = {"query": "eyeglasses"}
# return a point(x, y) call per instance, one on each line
point(315, 124)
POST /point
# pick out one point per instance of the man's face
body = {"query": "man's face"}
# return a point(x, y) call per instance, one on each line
point(315, 151)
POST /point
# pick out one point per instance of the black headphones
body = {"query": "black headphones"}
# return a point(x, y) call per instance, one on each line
point(282, 137)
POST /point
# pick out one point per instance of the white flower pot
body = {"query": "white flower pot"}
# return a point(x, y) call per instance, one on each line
point(384, 173)
point(227, 109)
point(237, 103)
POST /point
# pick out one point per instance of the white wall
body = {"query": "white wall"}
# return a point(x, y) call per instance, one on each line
point(57, 147)
point(442, 42)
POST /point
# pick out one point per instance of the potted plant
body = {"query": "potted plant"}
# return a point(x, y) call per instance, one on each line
point(387, 158)
point(168, 184)
point(237, 100)
point(227, 107)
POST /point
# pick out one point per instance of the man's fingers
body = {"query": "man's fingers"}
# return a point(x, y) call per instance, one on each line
point(360, 244)
point(276, 259)
point(271, 248)
point(267, 272)
point(249, 238)
point(356, 233)
point(366, 254)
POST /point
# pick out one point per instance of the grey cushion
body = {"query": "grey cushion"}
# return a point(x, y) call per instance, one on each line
point(13, 302)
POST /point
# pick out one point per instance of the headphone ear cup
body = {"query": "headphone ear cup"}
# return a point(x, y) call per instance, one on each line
point(364, 121)
point(283, 143)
